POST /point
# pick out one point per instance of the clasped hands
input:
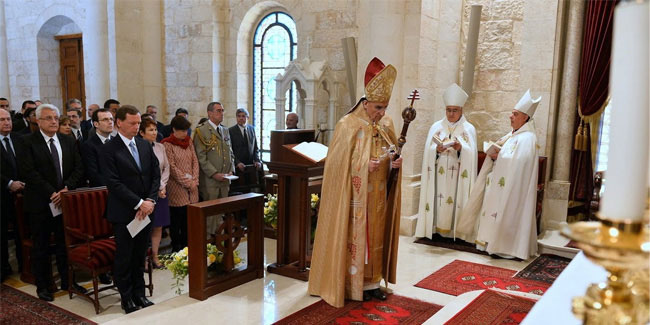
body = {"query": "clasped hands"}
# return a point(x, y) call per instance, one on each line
point(495, 154)
point(241, 166)
point(456, 147)
point(221, 177)
point(373, 164)
point(145, 209)
point(56, 197)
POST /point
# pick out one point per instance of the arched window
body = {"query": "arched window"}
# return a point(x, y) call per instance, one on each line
point(274, 46)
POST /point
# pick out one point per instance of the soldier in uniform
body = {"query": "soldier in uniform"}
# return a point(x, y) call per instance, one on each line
point(216, 159)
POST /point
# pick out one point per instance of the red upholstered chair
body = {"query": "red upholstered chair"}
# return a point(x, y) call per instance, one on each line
point(89, 238)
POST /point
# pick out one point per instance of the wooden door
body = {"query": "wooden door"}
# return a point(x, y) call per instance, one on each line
point(72, 69)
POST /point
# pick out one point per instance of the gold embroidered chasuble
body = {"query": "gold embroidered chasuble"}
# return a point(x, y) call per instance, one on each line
point(358, 227)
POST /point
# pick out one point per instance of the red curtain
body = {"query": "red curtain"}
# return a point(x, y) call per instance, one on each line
point(593, 86)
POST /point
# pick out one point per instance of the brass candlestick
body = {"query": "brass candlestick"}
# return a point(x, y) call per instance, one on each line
point(623, 249)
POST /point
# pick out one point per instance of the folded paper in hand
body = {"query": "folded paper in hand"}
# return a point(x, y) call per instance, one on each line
point(313, 151)
point(55, 210)
point(446, 142)
point(231, 177)
point(490, 147)
point(136, 225)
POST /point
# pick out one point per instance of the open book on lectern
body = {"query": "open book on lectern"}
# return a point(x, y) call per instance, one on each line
point(313, 151)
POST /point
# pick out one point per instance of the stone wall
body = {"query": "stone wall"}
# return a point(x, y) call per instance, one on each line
point(515, 53)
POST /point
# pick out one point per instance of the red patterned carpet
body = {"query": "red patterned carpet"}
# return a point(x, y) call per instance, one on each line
point(545, 268)
point(459, 277)
point(492, 307)
point(18, 307)
point(395, 310)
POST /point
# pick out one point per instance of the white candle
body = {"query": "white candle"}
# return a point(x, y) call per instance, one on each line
point(627, 171)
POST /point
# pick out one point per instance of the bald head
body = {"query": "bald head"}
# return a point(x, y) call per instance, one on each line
point(292, 121)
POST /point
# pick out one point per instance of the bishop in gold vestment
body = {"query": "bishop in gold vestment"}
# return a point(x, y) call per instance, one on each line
point(358, 226)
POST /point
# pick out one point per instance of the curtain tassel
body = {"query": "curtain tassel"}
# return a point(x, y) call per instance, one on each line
point(585, 137)
point(578, 142)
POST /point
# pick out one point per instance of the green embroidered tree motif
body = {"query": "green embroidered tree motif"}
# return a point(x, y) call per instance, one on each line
point(464, 174)
point(449, 201)
point(502, 181)
point(441, 170)
point(487, 182)
point(426, 207)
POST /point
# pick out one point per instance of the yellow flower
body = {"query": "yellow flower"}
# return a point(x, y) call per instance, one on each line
point(266, 210)
point(271, 204)
point(177, 257)
point(184, 263)
point(185, 250)
point(212, 258)
point(237, 260)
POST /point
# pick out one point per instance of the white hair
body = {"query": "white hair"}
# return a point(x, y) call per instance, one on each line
point(41, 107)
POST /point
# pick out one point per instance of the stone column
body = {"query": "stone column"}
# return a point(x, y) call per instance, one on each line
point(279, 113)
point(331, 118)
point(557, 191)
point(308, 110)
point(4, 66)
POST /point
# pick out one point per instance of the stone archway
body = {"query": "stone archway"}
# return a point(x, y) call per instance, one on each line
point(48, 57)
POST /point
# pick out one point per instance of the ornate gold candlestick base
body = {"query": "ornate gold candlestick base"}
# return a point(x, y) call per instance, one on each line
point(623, 250)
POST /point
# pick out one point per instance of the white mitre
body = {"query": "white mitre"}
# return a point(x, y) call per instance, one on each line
point(527, 104)
point(454, 96)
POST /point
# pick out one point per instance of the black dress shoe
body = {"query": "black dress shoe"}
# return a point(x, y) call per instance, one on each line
point(367, 296)
point(105, 279)
point(142, 302)
point(378, 294)
point(76, 287)
point(43, 294)
point(128, 306)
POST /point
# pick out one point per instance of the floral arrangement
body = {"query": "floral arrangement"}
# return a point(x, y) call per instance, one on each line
point(314, 200)
point(271, 210)
point(177, 263)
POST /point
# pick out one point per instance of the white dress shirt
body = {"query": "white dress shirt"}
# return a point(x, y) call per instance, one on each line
point(57, 144)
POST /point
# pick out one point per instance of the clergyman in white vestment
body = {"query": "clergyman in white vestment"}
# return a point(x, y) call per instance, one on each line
point(504, 196)
point(448, 173)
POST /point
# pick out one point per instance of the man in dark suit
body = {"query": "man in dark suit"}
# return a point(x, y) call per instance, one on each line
point(90, 150)
point(152, 110)
point(21, 120)
point(167, 129)
point(73, 112)
point(244, 142)
point(50, 165)
point(4, 104)
point(133, 177)
point(10, 186)
point(87, 124)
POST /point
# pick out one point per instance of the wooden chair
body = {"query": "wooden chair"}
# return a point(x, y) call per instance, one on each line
point(89, 239)
point(594, 203)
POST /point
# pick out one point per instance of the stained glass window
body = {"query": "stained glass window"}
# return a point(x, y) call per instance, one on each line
point(274, 46)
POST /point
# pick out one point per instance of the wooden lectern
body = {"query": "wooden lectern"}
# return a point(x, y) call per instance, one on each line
point(298, 178)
